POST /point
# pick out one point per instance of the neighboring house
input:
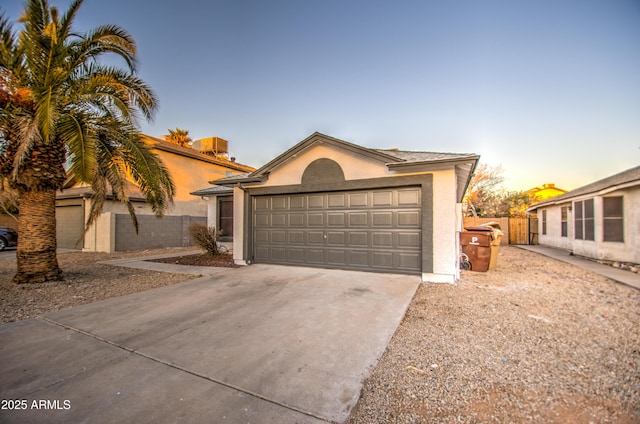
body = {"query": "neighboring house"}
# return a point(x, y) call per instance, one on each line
point(333, 204)
point(544, 192)
point(113, 230)
point(600, 220)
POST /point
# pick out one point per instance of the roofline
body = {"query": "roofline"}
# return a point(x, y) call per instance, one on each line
point(446, 161)
point(202, 192)
point(166, 146)
point(469, 177)
point(568, 199)
point(60, 195)
point(236, 181)
point(307, 142)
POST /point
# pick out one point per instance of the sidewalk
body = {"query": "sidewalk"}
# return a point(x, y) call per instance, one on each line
point(619, 275)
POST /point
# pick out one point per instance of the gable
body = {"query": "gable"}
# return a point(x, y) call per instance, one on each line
point(354, 165)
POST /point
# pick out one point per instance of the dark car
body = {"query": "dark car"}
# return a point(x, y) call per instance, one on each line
point(8, 238)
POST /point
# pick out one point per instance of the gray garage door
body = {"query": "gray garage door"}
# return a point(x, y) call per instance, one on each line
point(375, 230)
point(70, 226)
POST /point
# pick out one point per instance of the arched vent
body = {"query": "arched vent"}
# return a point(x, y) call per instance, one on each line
point(322, 171)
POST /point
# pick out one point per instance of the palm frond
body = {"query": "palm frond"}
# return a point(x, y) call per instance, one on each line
point(74, 132)
point(28, 135)
point(67, 20)
point(106, 39)
point(148, 172)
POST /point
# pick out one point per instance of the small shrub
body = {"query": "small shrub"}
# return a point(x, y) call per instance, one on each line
point(206, 238)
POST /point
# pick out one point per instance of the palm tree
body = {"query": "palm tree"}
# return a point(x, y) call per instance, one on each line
point(179, 137)
point(64, 113)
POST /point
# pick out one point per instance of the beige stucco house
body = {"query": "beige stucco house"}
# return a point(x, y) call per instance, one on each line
point(600, 220)
point(329, 203)
point(113, 230)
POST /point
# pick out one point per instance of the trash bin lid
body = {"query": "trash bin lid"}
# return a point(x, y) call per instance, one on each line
point(479, 228)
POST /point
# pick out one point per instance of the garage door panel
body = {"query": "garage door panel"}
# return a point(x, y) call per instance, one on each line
point(279, 253)
point(296, 237)
point(279, 220)
point(409, 240)
point(358, 238)
point(358, 219)
point(336, 219)
point(296, 220)
point(280, 203)
point(361, 229)
point(336, 238)
point(382, 219)
point(359, 258)
point(316, 256)
point(262, 203)
point(315, 237)
point(383, 198)
point(262, 220)
point(297, 202)
point(337, 257)
point(408, 219)
point(315, 219)
point(409, 261)
point(382, 239)
point(278, 236)
point(358, 200)
point(382, 260)
point(409, 198)
point(316, 201)
point(261, 253)
point(297, 255)
point(336, 200)
point(262, 236)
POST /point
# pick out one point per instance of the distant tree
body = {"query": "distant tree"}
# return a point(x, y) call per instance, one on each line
point(487, 198)
point(179, 137)
point(483, 190)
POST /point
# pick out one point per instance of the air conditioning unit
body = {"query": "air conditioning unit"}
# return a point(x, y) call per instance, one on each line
point(215, 146)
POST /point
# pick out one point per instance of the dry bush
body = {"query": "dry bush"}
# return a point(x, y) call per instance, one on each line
point(206, 238)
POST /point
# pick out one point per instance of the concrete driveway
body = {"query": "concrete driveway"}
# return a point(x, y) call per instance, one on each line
point(255, 344)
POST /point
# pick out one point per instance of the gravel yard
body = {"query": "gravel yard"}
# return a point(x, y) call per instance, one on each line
point(535, 340)
point(85, 281)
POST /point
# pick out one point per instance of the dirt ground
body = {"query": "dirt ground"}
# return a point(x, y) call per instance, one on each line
point(85, 281)
point(535, 340)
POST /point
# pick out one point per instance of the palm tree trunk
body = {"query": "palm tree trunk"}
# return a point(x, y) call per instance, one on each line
point(36, 255)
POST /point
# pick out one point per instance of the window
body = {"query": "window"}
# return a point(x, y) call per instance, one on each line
point(613, 224)
point(225, 218)
point(544, 222)
point(583, 218)
point(563, 221)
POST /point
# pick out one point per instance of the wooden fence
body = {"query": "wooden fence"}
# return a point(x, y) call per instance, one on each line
point(515, 230)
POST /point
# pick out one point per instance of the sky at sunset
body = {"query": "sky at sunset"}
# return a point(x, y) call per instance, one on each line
point(548, 89)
